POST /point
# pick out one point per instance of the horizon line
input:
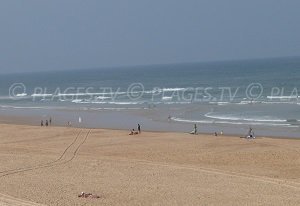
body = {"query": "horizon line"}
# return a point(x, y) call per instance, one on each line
point(148, 65)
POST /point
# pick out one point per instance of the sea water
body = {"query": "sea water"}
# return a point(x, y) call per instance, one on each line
point(230, 96)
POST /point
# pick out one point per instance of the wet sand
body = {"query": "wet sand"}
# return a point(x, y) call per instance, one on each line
point(51, 166)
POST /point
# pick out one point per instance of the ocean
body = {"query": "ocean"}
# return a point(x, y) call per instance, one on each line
point(228, 96)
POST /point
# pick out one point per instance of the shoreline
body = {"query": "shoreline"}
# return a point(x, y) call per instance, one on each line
point(23, 121)
point(149, 131)
point(152, 120)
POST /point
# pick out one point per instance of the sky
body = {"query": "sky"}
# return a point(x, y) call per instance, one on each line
point(40, 35)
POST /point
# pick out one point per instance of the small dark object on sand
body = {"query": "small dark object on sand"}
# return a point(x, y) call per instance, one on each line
point(88, 195)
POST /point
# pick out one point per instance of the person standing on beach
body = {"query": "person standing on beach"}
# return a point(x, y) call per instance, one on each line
point(195, 129)
point(46, 123)
point(50, 121)
point(42, 123)
point(139, 128)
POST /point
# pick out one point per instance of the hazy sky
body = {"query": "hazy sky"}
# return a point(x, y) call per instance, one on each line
point(67, 34)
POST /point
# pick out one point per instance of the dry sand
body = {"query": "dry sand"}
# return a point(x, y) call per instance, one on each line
point(51, 166)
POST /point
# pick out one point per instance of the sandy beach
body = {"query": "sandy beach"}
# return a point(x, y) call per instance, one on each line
point(51, 166)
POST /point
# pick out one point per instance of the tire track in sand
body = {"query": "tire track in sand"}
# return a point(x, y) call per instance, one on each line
point(6, 200)
point(51, 162)
point(67, 155)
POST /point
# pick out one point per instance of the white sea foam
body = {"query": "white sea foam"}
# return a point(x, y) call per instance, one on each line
point(21, 95)
point(102, 98)
point(174, 89)
point(282, 97)
point(175, 102)
point(293, 126)
point(235, 118)
point(218, 103)
point(253, 123)
point(166, 98)
point(229, 122)
point(249, 102)
point(223, 103)
point(126, 103)
point(41, 95)
point(77, 100)
point(191, 121)
point(281, 102)
point(107, 93)
point(89, 94)
point(102, 102)
point(162, 90)
point(22, 107)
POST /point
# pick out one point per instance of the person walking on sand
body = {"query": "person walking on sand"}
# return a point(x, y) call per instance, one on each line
point(139, 128)
point(195, 130)
point(46, 123)
point(50, 121)
point(42, 123)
